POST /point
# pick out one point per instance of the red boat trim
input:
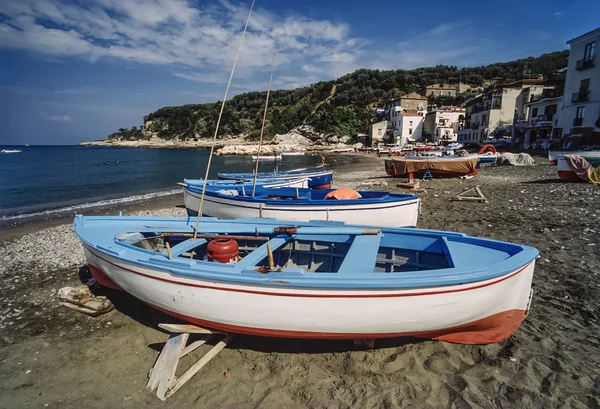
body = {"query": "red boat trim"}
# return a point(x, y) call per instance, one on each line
point(494, 328)
point(456, 290)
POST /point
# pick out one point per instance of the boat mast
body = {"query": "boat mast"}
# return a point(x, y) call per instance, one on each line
point(212, 148)
point(262, 128)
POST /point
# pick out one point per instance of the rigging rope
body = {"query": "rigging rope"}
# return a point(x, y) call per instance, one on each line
point(212, 148)
point(262, 129)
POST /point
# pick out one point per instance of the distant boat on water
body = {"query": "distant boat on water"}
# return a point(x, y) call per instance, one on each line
point(292, 153)
point(266, 157)
point(10, 151)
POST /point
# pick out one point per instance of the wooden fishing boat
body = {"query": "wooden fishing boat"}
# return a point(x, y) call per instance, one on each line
point(576, 168)
point(318, 179)
point(10, 151)
point(592, 156)
point(451, 166)
point(293, 153)
point(372, 208)
point(487, 154)
point(315, 280)
point(270, 183)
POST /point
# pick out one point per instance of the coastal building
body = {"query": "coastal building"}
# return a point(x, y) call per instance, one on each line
point(405, 105)
point(441, 89)
point(378, 133)
point(579, 115)
point(406, 125)
point(542, 122)
point(493, 113)
point(442, 125)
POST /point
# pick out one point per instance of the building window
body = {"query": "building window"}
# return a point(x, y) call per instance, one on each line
point(579, 112)
point(410, 123)
point(534, 112)
point(590, 52)
point(449, 92)
point(379, 132)
point(410, 131)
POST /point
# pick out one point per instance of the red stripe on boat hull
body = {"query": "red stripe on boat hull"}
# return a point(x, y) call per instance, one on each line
point(102, 278)
point(495, 328)
point(492, 329)
point(569, 175)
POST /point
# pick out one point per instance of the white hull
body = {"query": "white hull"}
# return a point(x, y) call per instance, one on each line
point(292, 153)
point(313, 313)
point(400, 214)
point(553, 155)
point(266, 157)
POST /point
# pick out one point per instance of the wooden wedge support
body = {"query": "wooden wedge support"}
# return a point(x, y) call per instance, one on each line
point(162, 375)
point(478, 198)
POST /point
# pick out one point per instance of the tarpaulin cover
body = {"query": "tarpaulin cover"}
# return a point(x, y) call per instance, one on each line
point(343, 194)
point(515, 159)
point(583, 169)
point(436, 165)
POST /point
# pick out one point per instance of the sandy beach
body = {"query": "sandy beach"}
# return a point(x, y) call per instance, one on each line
point(53, 357)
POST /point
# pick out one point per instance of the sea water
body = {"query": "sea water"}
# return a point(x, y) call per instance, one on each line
point(45, 181)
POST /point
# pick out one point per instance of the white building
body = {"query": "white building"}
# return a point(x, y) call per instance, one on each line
point(378, 133)
point(405, 124)
point(443, 124)
point(542, 122)
point(581, 106)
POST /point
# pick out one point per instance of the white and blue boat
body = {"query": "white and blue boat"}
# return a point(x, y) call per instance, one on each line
point(318, 179)
point(315, 280)
point(371, 208)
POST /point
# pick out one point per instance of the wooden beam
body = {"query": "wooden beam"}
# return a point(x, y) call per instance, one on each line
point(163, 372)
point(199, 365)
point(188, 328)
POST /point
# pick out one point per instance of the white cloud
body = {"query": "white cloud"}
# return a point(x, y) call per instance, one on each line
point(55, 118)
point(558, 14)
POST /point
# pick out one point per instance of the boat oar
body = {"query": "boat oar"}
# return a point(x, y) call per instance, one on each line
point(325, 230)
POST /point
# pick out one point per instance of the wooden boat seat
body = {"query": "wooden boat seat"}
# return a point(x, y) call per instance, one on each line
point(185, 246)
point(362, 255)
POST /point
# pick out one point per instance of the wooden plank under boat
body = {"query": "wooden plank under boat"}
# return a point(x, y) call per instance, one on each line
point(319, 179)
point(439, 167)
point(372, 208)
point(317, 280)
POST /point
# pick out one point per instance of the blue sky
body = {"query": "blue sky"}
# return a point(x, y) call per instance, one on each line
point(77, 70)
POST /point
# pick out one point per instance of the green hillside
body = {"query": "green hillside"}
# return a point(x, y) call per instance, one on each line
point(342, 106)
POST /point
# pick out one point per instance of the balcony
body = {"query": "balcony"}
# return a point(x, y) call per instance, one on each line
point(585, 63)
point(474, 125)
point(582, 96)
point(577, 121)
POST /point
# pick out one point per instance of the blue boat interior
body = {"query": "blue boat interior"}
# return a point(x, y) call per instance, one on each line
point(300, 195)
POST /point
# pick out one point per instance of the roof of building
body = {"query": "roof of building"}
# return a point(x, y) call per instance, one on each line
point(412, 95)
point(585, 36)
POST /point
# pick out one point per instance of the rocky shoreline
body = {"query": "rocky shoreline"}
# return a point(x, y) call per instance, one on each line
point(302, 138)
point(54, 357)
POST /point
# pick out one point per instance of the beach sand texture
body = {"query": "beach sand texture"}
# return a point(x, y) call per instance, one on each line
point(57, 358)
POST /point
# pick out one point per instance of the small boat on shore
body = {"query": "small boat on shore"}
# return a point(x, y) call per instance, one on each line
point(300, 153)
point(318, 179)
point(315, 280)
point(576, 168)
point(343, 150)
point(266, 157)
point(592, 156)
point(363, 207)
point(450, 166)
point(487, 154)
point(10, 151)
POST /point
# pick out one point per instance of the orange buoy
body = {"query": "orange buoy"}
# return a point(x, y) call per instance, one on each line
point(223, 250)
point(343, 194)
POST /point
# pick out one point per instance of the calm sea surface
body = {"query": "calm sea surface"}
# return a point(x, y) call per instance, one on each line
point(45, 180)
